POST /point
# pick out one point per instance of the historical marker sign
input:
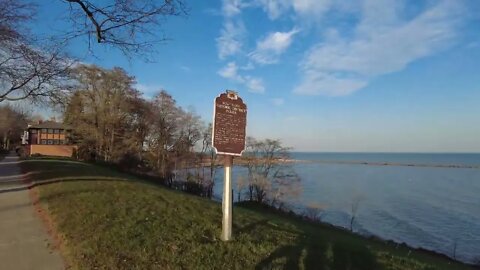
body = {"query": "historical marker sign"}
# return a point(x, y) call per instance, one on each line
point(229, 124)
point(228, 139)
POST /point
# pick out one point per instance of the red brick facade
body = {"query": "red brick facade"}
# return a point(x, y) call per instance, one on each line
point(50, 150)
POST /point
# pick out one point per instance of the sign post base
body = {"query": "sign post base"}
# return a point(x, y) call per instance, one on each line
point(227, 200)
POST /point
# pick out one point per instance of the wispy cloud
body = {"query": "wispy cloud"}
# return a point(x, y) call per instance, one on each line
point(272, 46)
point(304, 9)
point(274, 8)
point(313, 7)
point(278, 101)
point(230, 71)
point(231, 8)
point(254, 85)
point(230, 43)
point(148, 90)
point(381, 44)
point(185, 68)
point(384, 39)
point(231, 38)
point(473, 44)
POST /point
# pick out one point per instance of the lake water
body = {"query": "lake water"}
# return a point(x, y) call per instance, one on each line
point(423, 206)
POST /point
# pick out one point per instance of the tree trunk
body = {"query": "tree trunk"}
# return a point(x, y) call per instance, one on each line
point(5, 140)
point(351, 223)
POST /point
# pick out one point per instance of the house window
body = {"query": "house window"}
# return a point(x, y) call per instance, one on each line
point(55, 142)
point(50, 141)
point(62, 142)
point(44, 131)
point(33, 131)
point(43, 142)
point(50, 131)
point(62, 131)
point(56, 131)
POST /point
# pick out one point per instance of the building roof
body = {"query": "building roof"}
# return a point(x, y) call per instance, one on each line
point(49, 124)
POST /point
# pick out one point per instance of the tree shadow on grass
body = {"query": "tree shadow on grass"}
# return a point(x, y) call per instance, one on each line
point(263, 223)
point(346, 255)
point(288, 255)
point(314, 252)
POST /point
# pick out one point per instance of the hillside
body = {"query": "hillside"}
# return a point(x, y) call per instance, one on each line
point(108, 220)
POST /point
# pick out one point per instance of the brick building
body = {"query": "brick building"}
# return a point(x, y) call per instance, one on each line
point(48, 138)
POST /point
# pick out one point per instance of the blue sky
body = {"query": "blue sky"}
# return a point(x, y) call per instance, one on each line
point(323, 75)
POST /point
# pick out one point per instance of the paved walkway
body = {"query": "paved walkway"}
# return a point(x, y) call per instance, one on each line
point(24, 242)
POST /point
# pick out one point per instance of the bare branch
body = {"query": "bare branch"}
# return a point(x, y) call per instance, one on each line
point(132, 26)
point(26, 73)
point(89, 14)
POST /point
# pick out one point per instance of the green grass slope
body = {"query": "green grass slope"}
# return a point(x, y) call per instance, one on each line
point(113, 221)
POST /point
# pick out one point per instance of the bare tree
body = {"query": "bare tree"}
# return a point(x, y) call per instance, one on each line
point(356, 200)
point(26, 73)
point(173, 134)
point(28, 69)
point(207, 158)
point(13, 15)
point(241, 183)
point(161, 140)
point(131, 26)
point(454, 251)
point(271, 176)
point(12, 123)
point(314, 211)
point(476, 262)
point(188, 133)
point(261, 187)
point(104, 114)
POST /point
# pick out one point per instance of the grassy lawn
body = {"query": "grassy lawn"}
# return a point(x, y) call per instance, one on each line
point(113, 221)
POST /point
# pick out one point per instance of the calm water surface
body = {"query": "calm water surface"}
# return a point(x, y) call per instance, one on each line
point(429, 207)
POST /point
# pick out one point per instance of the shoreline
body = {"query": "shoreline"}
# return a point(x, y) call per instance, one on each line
point(240, 161)
point(368, 163)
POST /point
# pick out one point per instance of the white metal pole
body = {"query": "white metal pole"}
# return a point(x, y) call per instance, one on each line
point(227, 200)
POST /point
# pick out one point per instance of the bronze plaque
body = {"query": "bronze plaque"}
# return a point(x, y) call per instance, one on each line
point(229, 124)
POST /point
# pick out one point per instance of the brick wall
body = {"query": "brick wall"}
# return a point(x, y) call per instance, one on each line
point(52, 150)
